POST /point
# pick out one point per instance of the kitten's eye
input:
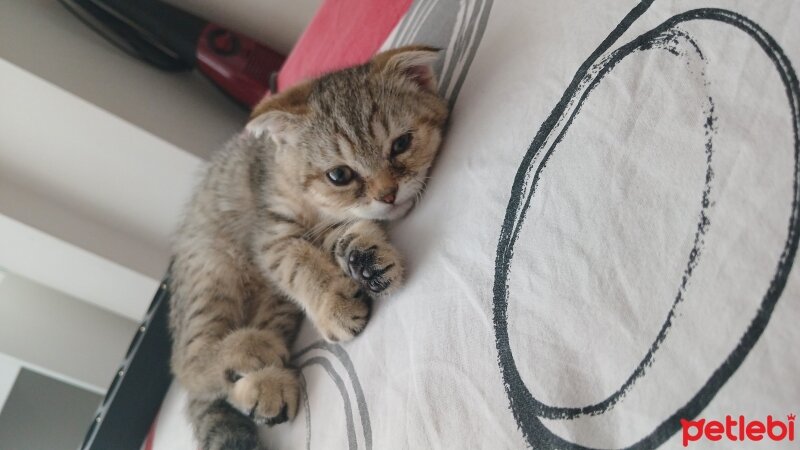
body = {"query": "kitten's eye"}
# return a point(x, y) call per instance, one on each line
point(340, 175)
point(401, 144)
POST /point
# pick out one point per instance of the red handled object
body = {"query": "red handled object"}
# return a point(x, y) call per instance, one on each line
point(239, 65)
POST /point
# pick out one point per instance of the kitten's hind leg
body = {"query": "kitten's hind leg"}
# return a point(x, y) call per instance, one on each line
point(268, 396)
point(206, 305)
point(248, 350)
point(218, 426)
point(254, 361)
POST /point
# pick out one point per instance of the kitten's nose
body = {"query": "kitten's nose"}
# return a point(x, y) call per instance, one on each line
point(389, 196)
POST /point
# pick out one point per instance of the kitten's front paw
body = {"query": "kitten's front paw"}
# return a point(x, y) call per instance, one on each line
point(343, 315)
point(377, 267)
point(268, 396)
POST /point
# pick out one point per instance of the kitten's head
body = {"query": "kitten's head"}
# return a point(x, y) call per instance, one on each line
point(358, 143)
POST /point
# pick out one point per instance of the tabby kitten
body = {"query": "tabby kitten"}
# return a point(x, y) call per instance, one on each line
point(289, 220)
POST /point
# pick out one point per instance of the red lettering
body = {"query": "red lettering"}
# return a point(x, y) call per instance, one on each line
point(730, 424)
point(741, 428)
point(714, 430)
point(686, 425)
point(755, 430)
point(771, 424)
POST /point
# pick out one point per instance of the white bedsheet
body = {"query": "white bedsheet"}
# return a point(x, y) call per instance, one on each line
point(629, 266)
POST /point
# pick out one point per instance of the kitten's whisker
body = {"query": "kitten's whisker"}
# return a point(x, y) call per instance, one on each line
point(314, 232)
point(322, 228)
point(319, 230)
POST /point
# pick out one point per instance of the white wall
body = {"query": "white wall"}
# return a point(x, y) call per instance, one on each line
point(9, 369)
point(74, 271)
point(88, 201)
point(60, 334)
point(86, 176)
point(43, 38)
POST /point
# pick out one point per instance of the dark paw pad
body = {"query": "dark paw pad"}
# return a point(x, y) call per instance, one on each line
point(364, 268)
point(282, 416)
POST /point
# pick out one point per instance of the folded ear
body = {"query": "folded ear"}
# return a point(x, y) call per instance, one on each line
point(414, 62)
point(280, 115)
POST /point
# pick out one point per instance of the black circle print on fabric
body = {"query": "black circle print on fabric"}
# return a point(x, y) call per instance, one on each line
point(529, 411)
point(681, 44)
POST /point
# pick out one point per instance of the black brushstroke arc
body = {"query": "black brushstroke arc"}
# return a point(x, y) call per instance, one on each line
point(523, 405)
point(693, 258)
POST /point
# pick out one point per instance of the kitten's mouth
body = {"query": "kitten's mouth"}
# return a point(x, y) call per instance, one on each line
point(399, 210)
point(382, 211)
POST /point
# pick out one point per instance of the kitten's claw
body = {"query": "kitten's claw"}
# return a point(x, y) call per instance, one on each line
point(280, 418)
point(373, 268)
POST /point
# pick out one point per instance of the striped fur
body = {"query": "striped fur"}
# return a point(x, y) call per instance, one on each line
point(268, 237)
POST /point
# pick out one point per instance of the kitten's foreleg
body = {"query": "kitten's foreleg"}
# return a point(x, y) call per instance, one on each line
point(363, 252)
point(333, 301)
